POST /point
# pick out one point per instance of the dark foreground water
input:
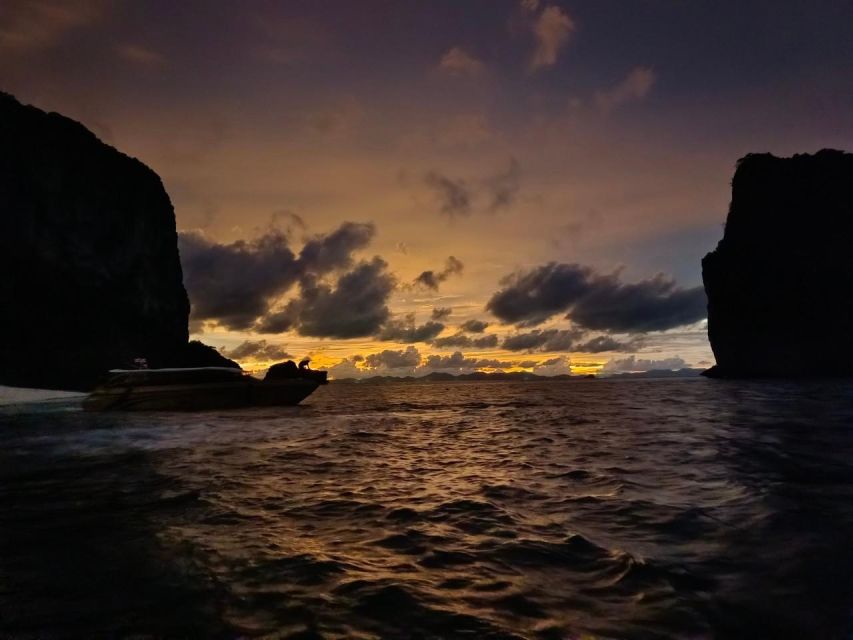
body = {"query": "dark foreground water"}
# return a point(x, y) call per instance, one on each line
point(604, 509)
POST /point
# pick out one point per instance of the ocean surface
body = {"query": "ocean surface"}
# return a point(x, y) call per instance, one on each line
point(582, 509)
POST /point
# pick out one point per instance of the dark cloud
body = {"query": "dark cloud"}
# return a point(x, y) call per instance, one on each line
point(463, 341)
point(595, 301)
point(234, 283)
point(485, 342)
point(503, 188)
point(432, 279)
point(454, 196)
point(553, 367)
point(393, 362)
point(195, 326)
point(410, 362)
point(650, 305)
point(405, 330)
point(441, 313)
point(408, 358)
point(474, 326)
point(347, 368)
point(549, 340)
point(539, 340)
point(278, 321)
point(633, 363)
point(258, 349)
point(325, 253)
point(355, 308)
point(428, 279)
point(231, 283)
point(288, 218)
point(602, 343)
point(458, 361)
point(532, 297)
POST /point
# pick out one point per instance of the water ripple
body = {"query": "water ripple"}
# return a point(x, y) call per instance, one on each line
point(622, 509)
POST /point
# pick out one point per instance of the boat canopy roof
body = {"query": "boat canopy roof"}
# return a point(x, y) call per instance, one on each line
point(197, 375)
point(229, 369)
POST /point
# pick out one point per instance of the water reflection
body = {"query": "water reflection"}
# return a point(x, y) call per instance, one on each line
point(629, 509)
point(79, 542)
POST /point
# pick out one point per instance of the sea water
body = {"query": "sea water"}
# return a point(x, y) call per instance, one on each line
point(603, 509)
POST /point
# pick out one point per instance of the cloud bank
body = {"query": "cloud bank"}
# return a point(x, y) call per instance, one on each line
point(356, 307)
point(234, 283)
point(474, 326)
point(463, 341)
point(408, 358)
point(633, 364)
point(410, 361)
point(441, 313)
point(548, 340)
point(595, 301)
point(405, 330)
point(258, 350)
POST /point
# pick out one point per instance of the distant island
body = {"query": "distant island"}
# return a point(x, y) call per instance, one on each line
point(779, 282)
point(517, 376)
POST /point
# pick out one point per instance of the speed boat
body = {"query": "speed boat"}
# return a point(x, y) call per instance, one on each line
point(202, 388)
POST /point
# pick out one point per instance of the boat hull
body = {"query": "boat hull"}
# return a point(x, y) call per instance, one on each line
point(200, 397)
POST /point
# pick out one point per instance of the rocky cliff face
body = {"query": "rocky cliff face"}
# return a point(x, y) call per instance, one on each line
point(779, 283)
point(90, 276)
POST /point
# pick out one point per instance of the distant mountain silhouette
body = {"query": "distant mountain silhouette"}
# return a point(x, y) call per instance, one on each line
point(441, 376)
point(90, 276)
point(685, 372)
point(779, 283)
point(518, 376)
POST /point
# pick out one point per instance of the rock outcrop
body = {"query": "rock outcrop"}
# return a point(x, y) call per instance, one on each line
point(198, 354)
point(779, 283)
point(90, 276)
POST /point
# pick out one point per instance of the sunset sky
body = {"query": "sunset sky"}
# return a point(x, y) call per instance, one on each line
point(383, 184)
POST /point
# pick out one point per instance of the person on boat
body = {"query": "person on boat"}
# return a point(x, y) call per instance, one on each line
point(284, 370)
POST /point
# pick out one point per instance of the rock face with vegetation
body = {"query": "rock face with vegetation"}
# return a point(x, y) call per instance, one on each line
point(90, 276)
point(779, 283)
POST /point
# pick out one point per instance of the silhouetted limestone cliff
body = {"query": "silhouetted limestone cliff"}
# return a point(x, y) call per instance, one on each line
point(779, 283)
point(90, 276)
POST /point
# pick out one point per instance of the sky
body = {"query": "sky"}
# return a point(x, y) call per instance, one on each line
point(394, 187)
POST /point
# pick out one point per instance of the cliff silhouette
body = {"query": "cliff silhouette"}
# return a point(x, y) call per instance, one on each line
point(90, 276)
point(779, 282)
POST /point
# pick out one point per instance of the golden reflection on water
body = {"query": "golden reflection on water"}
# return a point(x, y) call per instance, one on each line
point(542, 510)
